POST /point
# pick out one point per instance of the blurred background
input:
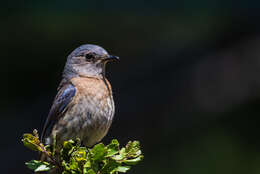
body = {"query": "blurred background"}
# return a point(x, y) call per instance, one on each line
point(187, 85)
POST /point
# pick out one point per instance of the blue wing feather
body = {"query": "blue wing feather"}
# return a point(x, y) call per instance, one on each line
point(61, 101)
point(66, 97)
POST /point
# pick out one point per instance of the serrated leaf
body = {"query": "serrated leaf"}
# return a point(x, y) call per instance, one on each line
point(109, 167)
point(122, 151)
point(87, 164)
point(118, 157)
point(122, 169)
point(68, 144)
point(112, 148)
point(74, 159)
point(133, 149)
point(65, 165)
point(68, 148)
point(74, 165)
point(122, 154)
point(79, 156)
point(39, 166)
point(91, 171)
point(133, 161)
point(42, 168)
point(31, 142)
point(98, 152)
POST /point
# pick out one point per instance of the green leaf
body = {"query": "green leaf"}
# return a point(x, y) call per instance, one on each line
point(42, 168)
point(87, 164)
point(68, 144)
point(74, 165)
point(122, 169)
point(112, 148)
point(98, 152)
point(74, 159)
point(91, 171)
point(110, 166)
point(133, 161)
point(87, 167)
point(80, 155)
point(68, 148)
point(133, 149)
point(65, 165)
point(32, 142)
point(39, 166)
point(122, 154)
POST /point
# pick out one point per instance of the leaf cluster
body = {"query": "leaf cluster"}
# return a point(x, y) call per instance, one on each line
point(74, 159)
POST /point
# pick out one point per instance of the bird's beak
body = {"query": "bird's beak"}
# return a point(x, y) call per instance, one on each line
point(112, 58)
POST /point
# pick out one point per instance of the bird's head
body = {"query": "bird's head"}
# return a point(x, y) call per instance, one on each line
point(87, 60)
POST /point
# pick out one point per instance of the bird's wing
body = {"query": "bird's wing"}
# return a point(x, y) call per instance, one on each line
point(59, 106)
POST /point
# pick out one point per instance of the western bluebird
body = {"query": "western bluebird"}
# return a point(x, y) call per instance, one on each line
point(84, 106)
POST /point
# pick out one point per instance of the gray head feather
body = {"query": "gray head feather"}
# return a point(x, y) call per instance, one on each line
point(87, 60)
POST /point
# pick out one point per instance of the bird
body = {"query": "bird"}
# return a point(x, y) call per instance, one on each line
point(83, 107)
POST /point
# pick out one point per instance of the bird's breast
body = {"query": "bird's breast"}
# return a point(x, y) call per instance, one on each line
point(93, 95)
point(91, 111)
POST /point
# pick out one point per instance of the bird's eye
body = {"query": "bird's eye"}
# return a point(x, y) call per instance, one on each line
point(89, 56)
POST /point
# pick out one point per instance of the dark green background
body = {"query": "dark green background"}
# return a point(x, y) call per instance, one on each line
point(187, 85)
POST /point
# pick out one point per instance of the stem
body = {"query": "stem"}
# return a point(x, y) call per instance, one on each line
point(52, 159)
